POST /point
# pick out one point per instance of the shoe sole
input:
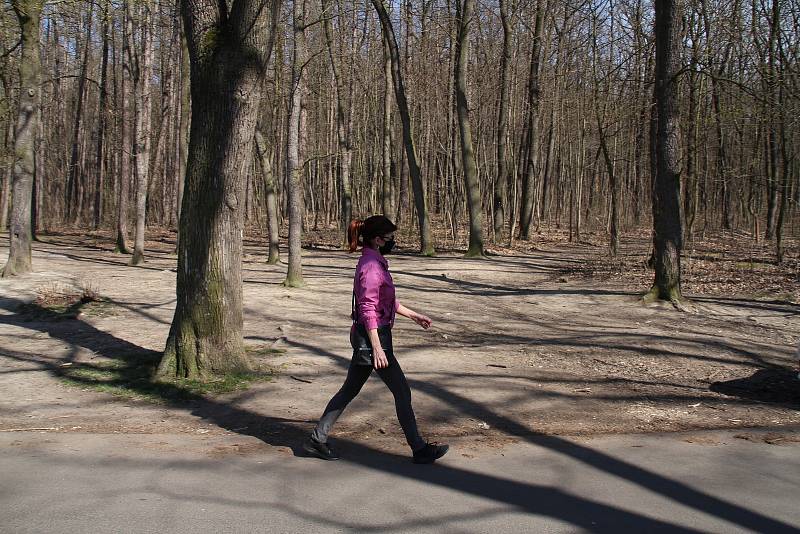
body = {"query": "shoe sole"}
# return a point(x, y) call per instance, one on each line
point(314, 452)
point(431, 460)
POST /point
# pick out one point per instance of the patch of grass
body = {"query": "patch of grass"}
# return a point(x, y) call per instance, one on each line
point(57, 302)
point(263, 350)
point(130, 377)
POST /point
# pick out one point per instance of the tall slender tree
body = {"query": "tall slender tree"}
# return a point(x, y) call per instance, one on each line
point(29, 14)
point(143, 128)
point(295, 149)
point(464, 13)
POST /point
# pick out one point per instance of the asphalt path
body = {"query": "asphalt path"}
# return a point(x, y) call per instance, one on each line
point(698, 482)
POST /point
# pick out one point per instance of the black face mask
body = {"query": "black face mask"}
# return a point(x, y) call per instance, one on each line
point(387, 248)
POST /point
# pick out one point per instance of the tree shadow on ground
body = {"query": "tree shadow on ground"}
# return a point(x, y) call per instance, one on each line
point(773, 386)
point(531, 498)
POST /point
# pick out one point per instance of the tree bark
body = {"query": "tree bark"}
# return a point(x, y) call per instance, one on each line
point(417, 181)
point(667, 225)
point(74, 199)
point(532, 143)
point(19, 253)
point(295, 147)
point(501, 179)
point(141, 153)
point(343, 126)
point(265, 161)
point(464, 15)
point(229, 51)
point(101, 128)
point(125, 136)
point(387, 191)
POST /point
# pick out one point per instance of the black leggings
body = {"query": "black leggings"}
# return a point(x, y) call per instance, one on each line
point(357, 375)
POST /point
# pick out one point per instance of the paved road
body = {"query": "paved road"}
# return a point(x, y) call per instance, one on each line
point(710, 482)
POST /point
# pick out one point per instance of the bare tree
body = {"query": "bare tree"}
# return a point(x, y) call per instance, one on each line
point(229, 50)
point(417, 182)
point(464, 14)
point(667, 223)
point(295, 146)
point(19, 253)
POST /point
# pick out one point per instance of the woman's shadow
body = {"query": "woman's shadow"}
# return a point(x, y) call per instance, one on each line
point(774, 385)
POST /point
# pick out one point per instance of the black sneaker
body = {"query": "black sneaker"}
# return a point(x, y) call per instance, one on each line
point(320, 450)
point(430, 453)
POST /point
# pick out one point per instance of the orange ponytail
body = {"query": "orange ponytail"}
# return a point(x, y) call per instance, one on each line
point(354, 233)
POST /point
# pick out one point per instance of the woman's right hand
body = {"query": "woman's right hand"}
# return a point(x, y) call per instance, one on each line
point(379, 358)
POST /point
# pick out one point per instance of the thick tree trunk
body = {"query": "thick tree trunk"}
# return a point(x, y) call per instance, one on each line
point(295, 148)
point(501, 179)
point(417, 182)
point(143, 127)
point(471, 185)
point(19, 253)
point(667, 226)
point(227, 80)
point(265, 161)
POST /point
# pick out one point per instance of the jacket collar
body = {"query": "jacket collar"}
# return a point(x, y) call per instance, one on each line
point(372, 253)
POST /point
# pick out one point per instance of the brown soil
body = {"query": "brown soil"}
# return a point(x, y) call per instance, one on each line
point(552, 339)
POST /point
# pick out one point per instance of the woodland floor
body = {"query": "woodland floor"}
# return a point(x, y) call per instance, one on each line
point(547, 339)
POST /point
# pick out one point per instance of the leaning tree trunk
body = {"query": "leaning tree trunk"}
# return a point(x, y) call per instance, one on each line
point(471, 184)
point(667, 225)
point(265, 162)
point(294, 150)
point(417, 183)
point(30, 69)
point(229, 51)
point(143, 127)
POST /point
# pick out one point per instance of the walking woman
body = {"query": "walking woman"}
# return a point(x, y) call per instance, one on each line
point(374, 309)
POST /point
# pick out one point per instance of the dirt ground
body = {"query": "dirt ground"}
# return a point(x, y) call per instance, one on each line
point(553, 340)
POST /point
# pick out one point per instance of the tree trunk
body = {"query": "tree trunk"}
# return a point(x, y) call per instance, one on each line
point(295, 148)
point(143, 89)
point(667, 225)
point(19, 253)
point(227, 81)
point(76, 171)
point(7, 174)
point(125, 136)
point(342, 126)
point(464, 15)
point(265, 161)
point(417, 182)
point(501, 179)
point(185, 118)
point(387, 191)
point(531, 170)
point(101, 128)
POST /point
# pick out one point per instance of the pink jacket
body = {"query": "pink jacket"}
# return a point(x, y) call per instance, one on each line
point(376, 304)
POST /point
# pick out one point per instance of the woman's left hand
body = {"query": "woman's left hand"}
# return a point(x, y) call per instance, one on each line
point(423, 320)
